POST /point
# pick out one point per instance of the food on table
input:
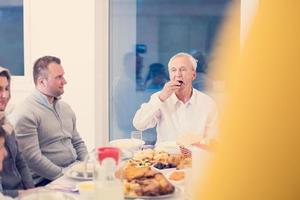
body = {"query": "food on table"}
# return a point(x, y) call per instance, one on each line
point(175, 159)
point(185, 151)
point(86, 186)
point(161, 156)
point(159, 159)
point(140, 163)
point(131, 173)
point(143, 181)
point(177, 175)
point(186, 162)
point(146, 154)
point(160, 165)
point(151, 155)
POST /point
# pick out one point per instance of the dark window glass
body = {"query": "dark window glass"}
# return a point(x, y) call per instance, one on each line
point(11, 37)
point(144, 34)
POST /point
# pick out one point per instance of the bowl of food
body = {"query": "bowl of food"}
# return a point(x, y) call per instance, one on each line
point(164, 168)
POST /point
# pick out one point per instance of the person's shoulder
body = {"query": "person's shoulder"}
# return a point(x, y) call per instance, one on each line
point(155, 94)
point(23, 109)
point(201, 96)
point(25, 106)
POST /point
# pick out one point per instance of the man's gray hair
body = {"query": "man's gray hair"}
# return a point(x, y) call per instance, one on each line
point(183, 54)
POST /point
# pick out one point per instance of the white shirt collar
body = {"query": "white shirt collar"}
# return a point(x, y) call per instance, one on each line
point(175, 101)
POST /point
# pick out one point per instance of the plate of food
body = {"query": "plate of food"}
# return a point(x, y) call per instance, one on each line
point(177, 192)
point(81, 171)
point(161, 161)
point(145, 183)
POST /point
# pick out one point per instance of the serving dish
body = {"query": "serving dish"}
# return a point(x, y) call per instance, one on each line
point(81, 171)
point(176, 193)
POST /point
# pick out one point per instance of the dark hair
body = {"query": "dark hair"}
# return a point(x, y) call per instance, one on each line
point(2, 132)
point(5, 74)
point(40, 67)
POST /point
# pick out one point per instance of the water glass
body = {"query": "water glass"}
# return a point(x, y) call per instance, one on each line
point(136, 135)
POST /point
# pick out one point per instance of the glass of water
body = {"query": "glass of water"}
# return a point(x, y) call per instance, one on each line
point(136, 135)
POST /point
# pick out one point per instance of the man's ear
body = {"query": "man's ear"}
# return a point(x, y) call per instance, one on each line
point(194, 75)
point(41, 81)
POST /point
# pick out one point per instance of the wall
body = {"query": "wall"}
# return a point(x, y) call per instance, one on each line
point(77, 32)
point(65, 29)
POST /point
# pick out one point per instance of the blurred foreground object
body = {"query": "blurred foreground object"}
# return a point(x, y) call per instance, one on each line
point(258, 157)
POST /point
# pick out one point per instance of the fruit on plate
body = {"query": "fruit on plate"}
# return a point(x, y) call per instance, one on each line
point(177, 175)
point(160, 165)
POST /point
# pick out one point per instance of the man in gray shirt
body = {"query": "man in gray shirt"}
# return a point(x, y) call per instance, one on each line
point(45, 126)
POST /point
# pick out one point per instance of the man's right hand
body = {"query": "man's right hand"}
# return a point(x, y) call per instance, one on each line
point(168, 90)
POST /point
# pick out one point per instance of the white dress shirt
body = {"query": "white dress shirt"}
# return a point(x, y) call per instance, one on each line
point(174, 118)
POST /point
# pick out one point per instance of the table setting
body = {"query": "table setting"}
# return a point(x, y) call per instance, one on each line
point(161, 172)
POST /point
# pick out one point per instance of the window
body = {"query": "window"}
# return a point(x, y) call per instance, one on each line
point(144, 34)
point(11, 36)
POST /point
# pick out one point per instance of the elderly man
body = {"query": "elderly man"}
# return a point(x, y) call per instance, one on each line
point(178, 108)
point(45, 126)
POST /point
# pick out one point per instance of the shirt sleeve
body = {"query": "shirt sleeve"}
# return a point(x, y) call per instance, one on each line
point(78, 143)
point(11, 193)
point(7, 193)
point(27, 138)
point(23, 169)
point(149, 113)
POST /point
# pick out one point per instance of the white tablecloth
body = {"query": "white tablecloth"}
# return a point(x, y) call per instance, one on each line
point(68, 185)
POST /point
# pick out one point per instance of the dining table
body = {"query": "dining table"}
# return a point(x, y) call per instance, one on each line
point(69, 186)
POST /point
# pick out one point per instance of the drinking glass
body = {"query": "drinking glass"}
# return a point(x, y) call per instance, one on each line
point(136, 135)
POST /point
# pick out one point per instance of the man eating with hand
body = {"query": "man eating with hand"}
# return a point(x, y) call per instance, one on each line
point(179, 108)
